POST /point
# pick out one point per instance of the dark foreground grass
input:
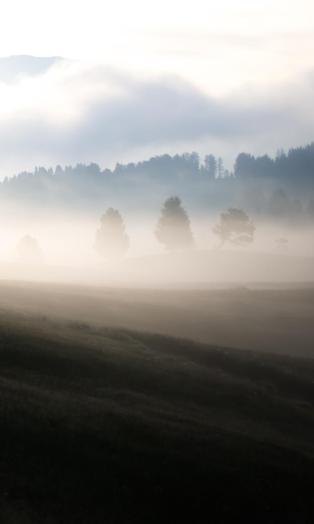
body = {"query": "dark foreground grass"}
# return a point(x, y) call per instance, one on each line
point(111, 426)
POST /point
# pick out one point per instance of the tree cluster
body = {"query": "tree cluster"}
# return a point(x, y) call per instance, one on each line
point(173, 229)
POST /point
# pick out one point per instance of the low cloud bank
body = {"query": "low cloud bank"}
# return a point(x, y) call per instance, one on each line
point(71, 112)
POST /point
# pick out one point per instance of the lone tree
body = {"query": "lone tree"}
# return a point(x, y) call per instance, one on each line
point(173, 228)
point(235, 227)
point(111, 238)
point(28, 249)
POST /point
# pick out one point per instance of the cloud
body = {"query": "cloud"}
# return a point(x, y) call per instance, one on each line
point(73, 112)
point(12, 68)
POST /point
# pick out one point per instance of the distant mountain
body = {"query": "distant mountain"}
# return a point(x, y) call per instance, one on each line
point(11, 67)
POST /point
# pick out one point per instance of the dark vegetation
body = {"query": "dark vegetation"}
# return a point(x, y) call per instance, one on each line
point(280, 188)
point(258, 317)
point(173, 228)
point(235, 227)
point(110, 425)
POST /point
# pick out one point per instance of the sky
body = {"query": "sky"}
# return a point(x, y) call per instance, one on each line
point(142, 78)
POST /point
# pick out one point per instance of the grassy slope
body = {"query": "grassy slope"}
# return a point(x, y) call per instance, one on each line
point(276, 320)
point(102, 425)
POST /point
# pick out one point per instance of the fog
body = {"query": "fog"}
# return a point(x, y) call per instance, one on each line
point(156, 262)
point(63, 249)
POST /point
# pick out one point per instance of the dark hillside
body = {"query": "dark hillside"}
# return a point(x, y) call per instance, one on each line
point(102, 425)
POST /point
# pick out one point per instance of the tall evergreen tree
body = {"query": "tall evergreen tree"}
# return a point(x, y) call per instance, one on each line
point(210, 164)
point(220, 168)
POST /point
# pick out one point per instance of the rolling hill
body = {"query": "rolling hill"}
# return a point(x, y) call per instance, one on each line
point(111, 425)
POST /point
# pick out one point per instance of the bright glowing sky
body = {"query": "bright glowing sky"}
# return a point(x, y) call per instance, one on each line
point(251, 54)
point(219, 45)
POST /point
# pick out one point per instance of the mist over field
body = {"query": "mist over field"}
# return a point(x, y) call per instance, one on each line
point(65, 252)
point(60, 211)
point(156, 262)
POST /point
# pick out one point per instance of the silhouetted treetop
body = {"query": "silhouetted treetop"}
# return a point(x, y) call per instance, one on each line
point(111, 238)
point(173, 228)
point(236, 227)
point(205, 186)
point(296, 165)
point(210, 166)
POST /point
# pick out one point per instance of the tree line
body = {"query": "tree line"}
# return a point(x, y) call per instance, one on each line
point(280, 188)
point(296, 164)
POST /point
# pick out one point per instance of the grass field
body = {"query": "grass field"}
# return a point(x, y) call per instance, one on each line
point(112, 425)
point(266, 318)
